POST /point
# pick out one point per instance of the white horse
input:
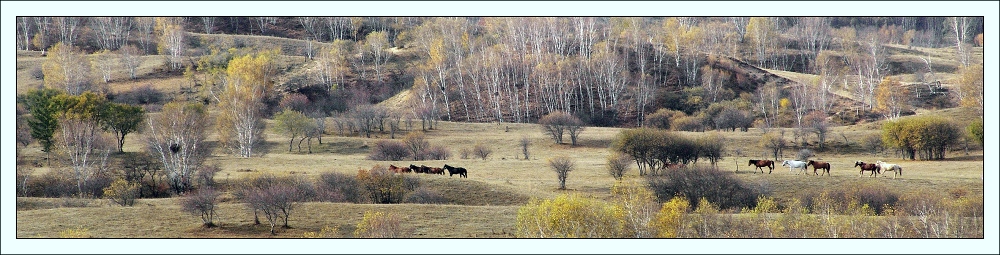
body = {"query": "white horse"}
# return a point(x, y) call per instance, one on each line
point(896, 169)
point(794, 164)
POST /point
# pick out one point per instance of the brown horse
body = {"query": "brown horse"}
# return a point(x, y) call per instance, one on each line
point(399, 170)
point(868, 167)
point(819, 165)
point(761, 163)
point(674, 166)
point(436, 170)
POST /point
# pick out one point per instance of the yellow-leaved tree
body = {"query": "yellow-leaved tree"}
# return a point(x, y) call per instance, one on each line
point(892, 98)
point(65, 68)
point(572, 216)
point(971, 87)
point(671, 221)
point(249, 83)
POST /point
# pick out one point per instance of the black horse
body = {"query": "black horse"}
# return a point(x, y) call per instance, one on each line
point(460, 171)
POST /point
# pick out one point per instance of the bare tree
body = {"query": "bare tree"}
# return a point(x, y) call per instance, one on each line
point(202, 203)
point(618, 164)
point(482, 151)
point(105, 63)
point(172, 39)
point(86, 147)
point(112, 32)
point(417, 144)
point(557, 123)
point(67, 28)
point(775, 143)
point(525, 142)
point(209, 24)
point(176, 137)
point(144, 29)
point(131, 59)
point(562, 165)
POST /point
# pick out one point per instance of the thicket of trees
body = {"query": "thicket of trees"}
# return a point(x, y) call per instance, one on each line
point(923, 137)
point(607, 70)
point(654, 150)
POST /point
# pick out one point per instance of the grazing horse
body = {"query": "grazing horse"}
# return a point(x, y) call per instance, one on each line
point(794, 164)
point(868, 167)
point(436, 170)
point(820, 165)
point(395, 169)
point(674, 166)
point(417, 169)
point(460, 171)
point(896, 169)
point(760, 164)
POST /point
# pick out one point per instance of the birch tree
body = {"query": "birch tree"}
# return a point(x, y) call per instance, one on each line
point(65, 68)
point(176, 137)
point(170, 32)
point(80, 137)
point(112, 32)
point(249, 81)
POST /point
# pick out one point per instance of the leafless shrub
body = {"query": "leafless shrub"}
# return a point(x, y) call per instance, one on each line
point(618, 164)
point(524, 143)
point(338, 187)
point(805, 154)
point(425, 196)
point(562, 165)
point(464, 153)
point(206, 175)
point(389, 150)
point(417, 144)
point(482, 151)
point(202, 203)
point(437, 152)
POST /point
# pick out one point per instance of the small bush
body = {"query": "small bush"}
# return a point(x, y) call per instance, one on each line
point(122, 192)
point(688, 123)
point(840, 199)
point(52, 184)
point(464, 153)
point(437, 152)
point(338, 187)
point(618, 164)
point(389, 150)
point(482, 151)
point(144, 94)
point(722, 188)
point(201, 203)
point(524, 143)
point(206, 175)
point(380, 225)
point(381, 185)
point(562, 165)
point(805, 154)
point(37, 73)
point(425, 196)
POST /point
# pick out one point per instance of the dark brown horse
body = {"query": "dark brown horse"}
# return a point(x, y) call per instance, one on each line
point(761, 163)
point(819, 165)
point(417, 169)
point(868, 167)
point(460, 171)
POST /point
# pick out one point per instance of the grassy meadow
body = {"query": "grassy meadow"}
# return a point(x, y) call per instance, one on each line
point(485, 204)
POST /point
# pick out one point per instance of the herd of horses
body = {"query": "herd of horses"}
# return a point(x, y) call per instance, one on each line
point(422, 169)
point(875, 168)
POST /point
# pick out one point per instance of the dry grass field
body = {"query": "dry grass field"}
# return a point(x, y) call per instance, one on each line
point(484, 205)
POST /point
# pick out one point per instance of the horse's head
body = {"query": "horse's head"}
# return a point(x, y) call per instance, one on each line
point(811, 162)
point(446, 166)
point(753, 162)
point(858, 163)
point(784, 163)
